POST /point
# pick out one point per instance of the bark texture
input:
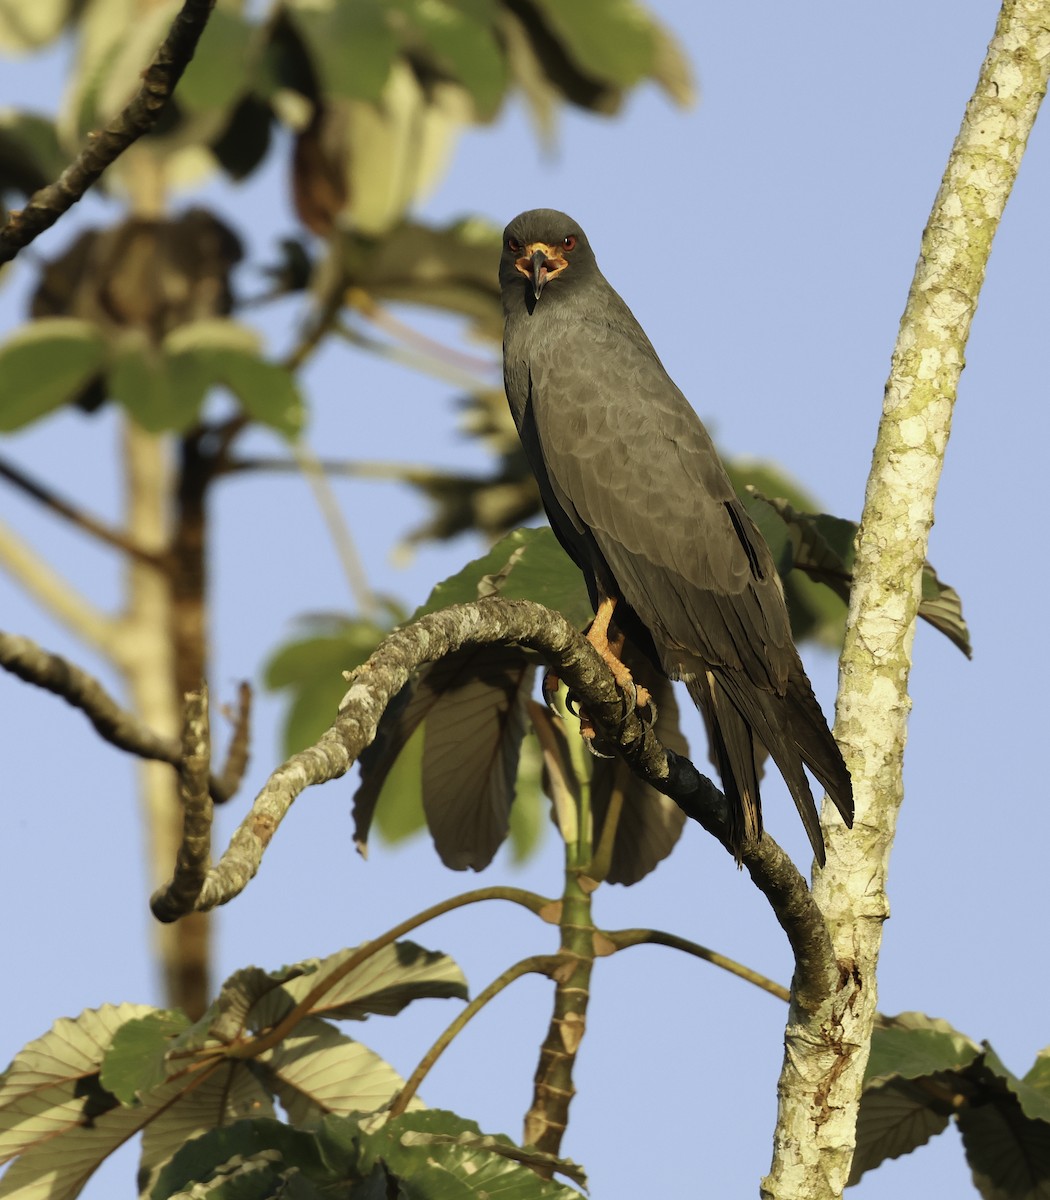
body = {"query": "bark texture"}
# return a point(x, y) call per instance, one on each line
point(827, 1048)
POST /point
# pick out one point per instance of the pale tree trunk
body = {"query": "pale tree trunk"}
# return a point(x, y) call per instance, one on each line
point(827, 1050)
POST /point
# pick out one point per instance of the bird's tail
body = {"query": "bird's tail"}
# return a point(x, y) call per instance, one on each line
point(733, 749)
point(792, 729)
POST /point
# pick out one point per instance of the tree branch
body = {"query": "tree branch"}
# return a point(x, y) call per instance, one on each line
point(620, 939)
point(82, 520)
point(114, 724)
point(522, 622)
point(56, 594)
point(106, 145)
point(827, 1049)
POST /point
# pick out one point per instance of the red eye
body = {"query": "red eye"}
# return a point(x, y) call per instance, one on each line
point(569, 243)
point(514, 246)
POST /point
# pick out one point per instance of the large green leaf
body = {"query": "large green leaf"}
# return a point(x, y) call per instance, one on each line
point(310, 667)
point(437, 1155)
point(610, 40)
point(352, 45)
point(822, 547)
point(162, 393)
point(44, 365)
point(217, 73)
point(913, 1044)
point(458, 37)
point(528, 564)
point(222, 352)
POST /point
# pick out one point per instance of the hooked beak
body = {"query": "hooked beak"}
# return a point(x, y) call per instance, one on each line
point(538, 271)
point(539, 264)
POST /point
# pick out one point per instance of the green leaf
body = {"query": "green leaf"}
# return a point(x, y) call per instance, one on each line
point(30, 155)
point(528, 564)
point(459, 37)
point(352, 45)
point(202, 1160)
point(911, 1045)
point(216, 74)
point(44, 365)
point(134, 1062)
point(160, 392)
point(311, 669)
point(897, 1117)
point(823, 548)
point(317, 1070)
point(1034, 1101)
point(468, 1166)
point(1008, 1152)
point(383, 983)
point(222, 352)
point(1038, 1076)
point(25, 26)
point(610, 40)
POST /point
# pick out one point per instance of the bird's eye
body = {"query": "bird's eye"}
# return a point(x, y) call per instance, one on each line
point(569, 243)
point(514, 246)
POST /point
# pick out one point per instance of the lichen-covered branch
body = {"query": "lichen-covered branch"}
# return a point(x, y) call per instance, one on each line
point(31, 663)
point(827, 1049)
point(492, 621)
point(105, 146)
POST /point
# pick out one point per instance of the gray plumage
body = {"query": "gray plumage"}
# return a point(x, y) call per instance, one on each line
point(635, 492)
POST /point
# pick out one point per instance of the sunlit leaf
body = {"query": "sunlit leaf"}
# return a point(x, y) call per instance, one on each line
point(528, 564)
point(26, 26)
point(160, 393)
point(317, 1070)
point(913, 1044)
point(44, 365)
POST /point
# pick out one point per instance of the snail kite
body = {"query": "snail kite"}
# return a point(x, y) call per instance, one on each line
point(636, 494)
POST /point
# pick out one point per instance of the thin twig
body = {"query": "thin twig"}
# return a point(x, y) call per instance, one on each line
point(622, 938)
point(538, 964)
point(537, 904)
point(106, 145)
point(82, 520)
point(237, 752)
point(191, 866)
point(57, 595)
point(31, 663)
point(523, 622)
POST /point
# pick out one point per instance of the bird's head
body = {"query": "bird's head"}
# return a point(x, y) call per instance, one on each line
point(543, 249)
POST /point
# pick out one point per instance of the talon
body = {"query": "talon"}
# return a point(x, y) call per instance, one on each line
point(572, 704)
point(549, 687)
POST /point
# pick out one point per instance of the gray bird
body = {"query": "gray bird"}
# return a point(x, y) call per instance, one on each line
point(637, 496)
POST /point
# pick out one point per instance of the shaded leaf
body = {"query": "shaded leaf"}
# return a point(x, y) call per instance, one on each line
point(30, 156)
point(649, 823)
point(201, 1160)
point(898, 1116)
point(352, 45)
point(822, 547)
point(458, 39)
point(449, 267)
point(134, 1062)
point(471, 749)
point(1008, 1152)
point(468, 1166)
point(45, 365)
point(609, 40)
point(217, 73)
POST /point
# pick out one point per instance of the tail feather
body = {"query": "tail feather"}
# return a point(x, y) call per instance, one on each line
point(791, 728)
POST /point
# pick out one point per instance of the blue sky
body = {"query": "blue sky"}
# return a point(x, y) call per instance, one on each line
point(779, 221)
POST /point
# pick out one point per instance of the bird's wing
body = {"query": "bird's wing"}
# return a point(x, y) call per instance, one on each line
point(629, 462)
